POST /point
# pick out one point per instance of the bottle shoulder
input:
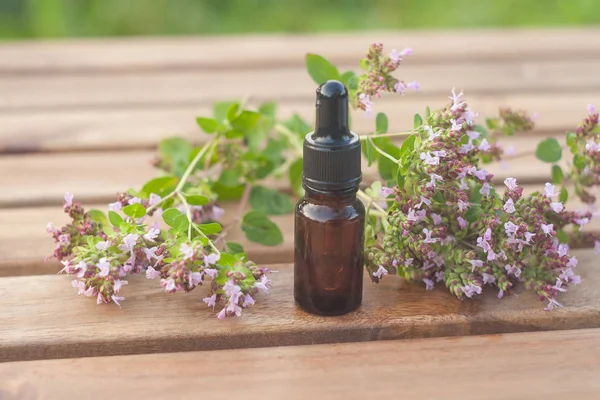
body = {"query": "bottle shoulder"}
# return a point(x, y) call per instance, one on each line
point(330, 210)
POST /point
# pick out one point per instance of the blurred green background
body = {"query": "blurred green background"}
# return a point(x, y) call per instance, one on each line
point(84, 18)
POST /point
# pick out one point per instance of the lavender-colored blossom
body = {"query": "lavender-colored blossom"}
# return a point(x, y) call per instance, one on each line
point(473, 135)
point(129, 242)
point(469, 116)
point(572, 262)
point(463, 184)
point(168, 284)
point(211, 272)
point(222, 314)
point(513, 269)
point(366, 101)
point(591, 109)
point(510, 228)
point(134, 200)
point(186, 250)
point(116, 206)
point(248, 300)
point(581, 222)
point(549, 190)
point(429, 159)
point(424, 200)
point(484, 145)
point(475, 264)
point(380, 272)
point(385, 192)
point(68, 199)
point(463, 205)
point(491, 256)
point(510, 151)
point(557, 207)
point(439, 153)
point(429, 284)
point(552, 303)
point(432, 134)
point(509, 206)
point(485, 189)
point(437, 219)
point(102, 245)
point(456, 103)
point(400, 88)
point(116, 299)
point(414, 85)
point(596, 246)
point(151, 273)
point(558, 286)
point(456, 126)
point(152, 234)
point(263, 284)
point(500, 293)
point(428, 238)
point(488, 278)
point(470, 290)
point(210, 301)
point(104, 267)
point(547, 229)
point(408, 262)
point(211, 259)
point(511, 183)
point(217, 213)
point(562, 249)
point(481, 174)
point(195, 278)
point(434, 178)
point(80, 285)
point(462, 223)
point(118, 284)
point(529, 236)
point(154, 199)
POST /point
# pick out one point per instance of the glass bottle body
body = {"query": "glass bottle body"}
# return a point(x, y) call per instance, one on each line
point(328, 252)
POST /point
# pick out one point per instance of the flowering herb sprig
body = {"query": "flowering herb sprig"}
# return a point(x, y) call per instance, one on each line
point(438, 219)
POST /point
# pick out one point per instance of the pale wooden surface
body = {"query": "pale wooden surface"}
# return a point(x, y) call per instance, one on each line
point(42, 317)
point(526, 366)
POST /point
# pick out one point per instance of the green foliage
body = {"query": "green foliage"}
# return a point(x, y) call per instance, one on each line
point(269, 201)
point(548, 150)
point(258, 228)
point(197, 200)
point(135, 210)
point(295, 176)
point(160, 186)
point(386, 167)
point(473, 213)
point(235, 248)
point(381, 123)
point(175, 154)
point(176, 219)
point(417, 121)
point(208, 125)
point(320, 69)
point(115, 219)
point(557, 174)
point(563, 196)
point(210, 228)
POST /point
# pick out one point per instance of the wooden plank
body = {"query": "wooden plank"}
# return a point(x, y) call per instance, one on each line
point(42, 179)
point(26, 243)
point(225, 52)
point(552, 364)
point(143, 127)
point(132, 89)
point(43, 318)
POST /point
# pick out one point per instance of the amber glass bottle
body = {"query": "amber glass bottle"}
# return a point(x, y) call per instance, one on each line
point(329, 222)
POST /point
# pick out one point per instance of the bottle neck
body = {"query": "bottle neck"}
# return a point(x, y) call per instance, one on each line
point(345, 196)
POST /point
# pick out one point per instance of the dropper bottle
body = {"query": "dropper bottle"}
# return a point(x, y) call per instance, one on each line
point(329, 220)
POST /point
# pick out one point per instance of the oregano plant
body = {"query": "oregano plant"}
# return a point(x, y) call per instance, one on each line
point(433, 215)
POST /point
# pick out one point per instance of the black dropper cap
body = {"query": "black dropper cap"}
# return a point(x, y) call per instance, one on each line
point(332, 151)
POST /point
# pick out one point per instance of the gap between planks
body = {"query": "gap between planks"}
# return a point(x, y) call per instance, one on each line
point(259, 51)
point(43, 318)
point(560, 364)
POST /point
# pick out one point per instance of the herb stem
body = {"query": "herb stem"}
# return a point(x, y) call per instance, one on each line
point(383, 153)
point(291, 137)
point(379, 135)
point(238, 217)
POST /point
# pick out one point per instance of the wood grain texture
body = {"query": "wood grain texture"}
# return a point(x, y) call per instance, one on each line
point(42, 318)
point(26, 243)
point(156, 53)
point(527, 366)
point(115, 126)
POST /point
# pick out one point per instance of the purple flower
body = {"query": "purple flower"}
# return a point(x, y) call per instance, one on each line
point(509, 206)
point(211, 259)
point(78, 285)
point(463, 184)
point(151, 253)
point(591, 109)
point(151, 273)
point(168, 284)
point(592, 146)
point(211, 272)
point(428, 284)
point(581, 222)
point(414, 85)
point(68, 199)
point(513, 269)
point(511, 183)
point(385, 192)
point(562, 249)
point(456, 103)
point(488, 278)
point(549, 190)
point(134, 200)
point(475, 264)
point(510, 228)
point(551, 304)
point(556, 207)
point(434, 178)
point(481, 174)
point(263, 284)
point(406, 52)
point(457, 127)
point(186, 250)
point(485, 189)
point(500, 293)
point(469, 116)
point(154, 199)
point(102, 245)
point(222, 314)
point(437, 219)
point(428, 238)
point(195, 278)
point(548, 229)
point(470, 290)
point(484, 145)
point(117, 299)
point(462, 223)
point(510, 151)
point(483, 242)
point(439, 153)
point(528, 237)
point(558, 286)
point(248, 300)
point(380, 272)
point(491, 256)
point(366, 101)
point(424, 200)
point(429, 159)
point(210, 301)
point(416, 216)
point(116, 206)
point(432, 134)
point(465, 148)
point(152, 234)
point(463, 205)
point(572, 262)
point(596, 246)
point(129, 242)
point(408, 262)
point(399, 87)
point(217, 213)
point(104, 267)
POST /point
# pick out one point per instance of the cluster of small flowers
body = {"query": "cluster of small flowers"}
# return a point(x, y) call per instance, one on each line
point(585, 146)
point(100, 257)
point(378, 77)
point(448, 224)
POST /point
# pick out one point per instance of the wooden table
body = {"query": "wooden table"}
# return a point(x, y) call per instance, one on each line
point(84, 116)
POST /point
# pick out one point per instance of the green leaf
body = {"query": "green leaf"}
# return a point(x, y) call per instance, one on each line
point(562, 236)
point(235, 248)
point(364, 64)
point(134, 210)
point(175, 153)
point(427, 112)
point(160, 186)
point(226, 260)
point(417, 121)
point(492, 123)
point(115, 219)
point(579, 162)
point(295, 175)
point(476, 195)
point(220, 110)
point(557, 174)
point(246, 121)
point(297, 125)
point(407, 145)
point(473, 213)
point(548, 150)
point(508, 130)
point(229, 177)
point(210, 229)
point(381, 123)
point(439, 197)
point(350, 79)
point(208, 125)
point(400, 178)
point(197, 200)
point(369, 152)
point(320, 70)
point(227, 193)
point(176, 219)
point(269, 201)
point(259, 229)
point(232, 111)
point(387, 168)
point(571, 139)
point(268, 109)
point(101, 218)
point(563, 196)
point(481, 129)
